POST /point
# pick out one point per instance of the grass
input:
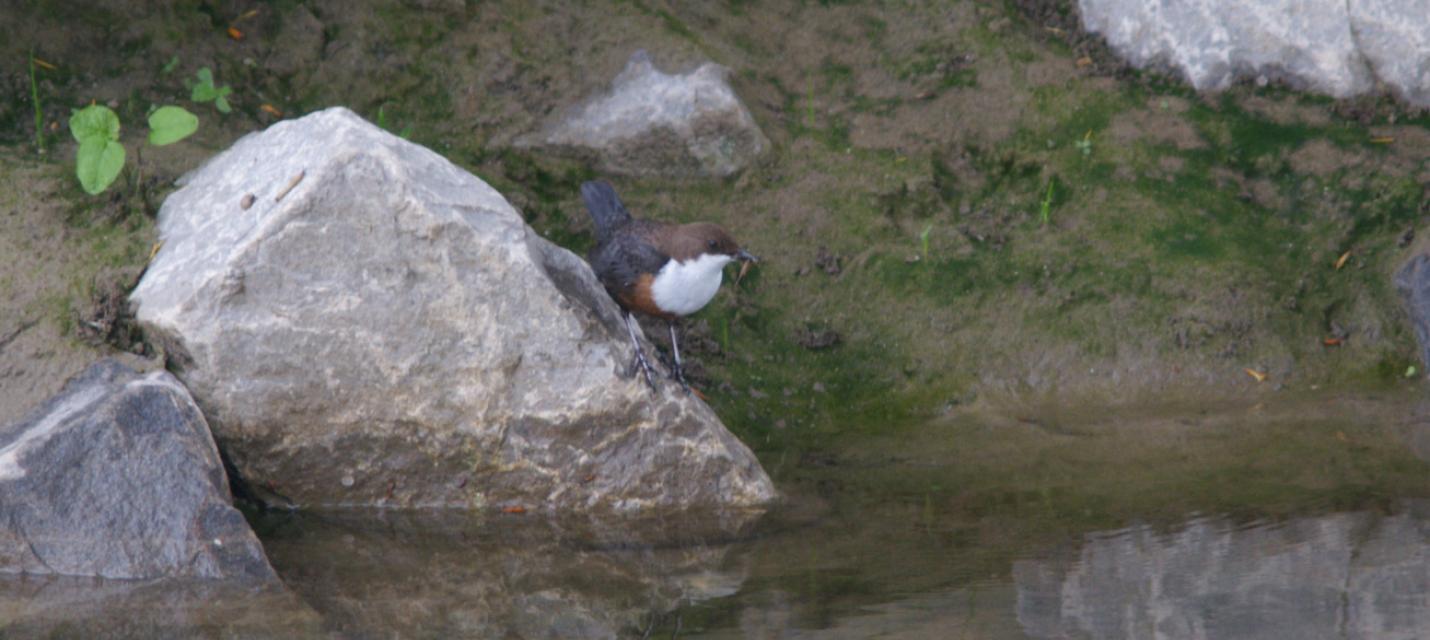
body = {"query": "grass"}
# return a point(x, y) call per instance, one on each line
point(39, 113)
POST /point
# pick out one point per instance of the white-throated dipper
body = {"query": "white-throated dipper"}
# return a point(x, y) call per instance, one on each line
point(660, 269)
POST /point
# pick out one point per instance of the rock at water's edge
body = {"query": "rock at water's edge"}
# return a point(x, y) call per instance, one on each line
point(118, 477)
point(390, 332)
point(652, 123)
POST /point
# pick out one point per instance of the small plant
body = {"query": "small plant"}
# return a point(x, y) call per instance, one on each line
point(1045, 210)
point(39, 115)
point(382, 123)
point(205, 91)
point(924, 242)
point(169, 66)
point(100, 156)
point(1085, 144)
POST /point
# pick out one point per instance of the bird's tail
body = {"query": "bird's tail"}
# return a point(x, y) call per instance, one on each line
point(605, 207)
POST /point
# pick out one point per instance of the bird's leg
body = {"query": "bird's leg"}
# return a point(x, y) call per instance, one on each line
point(640, 355)
point(679, 372)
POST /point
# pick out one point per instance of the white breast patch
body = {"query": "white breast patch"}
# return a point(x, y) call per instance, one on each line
point(683, 288)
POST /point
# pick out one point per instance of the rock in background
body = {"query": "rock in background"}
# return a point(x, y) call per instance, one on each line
point(118, 477)
point(379, 327)
point(657, 124)
point(1337, 48)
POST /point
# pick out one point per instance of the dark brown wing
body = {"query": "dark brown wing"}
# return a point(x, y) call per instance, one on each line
point(625, 263)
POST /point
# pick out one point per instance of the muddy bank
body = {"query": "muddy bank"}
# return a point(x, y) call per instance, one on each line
point(958, 205)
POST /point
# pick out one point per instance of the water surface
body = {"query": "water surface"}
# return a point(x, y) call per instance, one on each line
point(1302, 521)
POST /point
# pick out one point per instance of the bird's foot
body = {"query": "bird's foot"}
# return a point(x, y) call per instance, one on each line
point(639, 362)
point(677, 373)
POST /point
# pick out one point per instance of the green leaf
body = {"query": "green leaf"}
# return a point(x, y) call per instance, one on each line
point(203, 93)
point(171, 124)
point(97, 164)
point(222, 104)
point(169, 66)
point(94, 123)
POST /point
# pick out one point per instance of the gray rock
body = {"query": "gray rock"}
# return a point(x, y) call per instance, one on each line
point(1412, 281)
point(1332, 47)
point(118, 477)
point(391, 333)
point(657, 124)
point(1346, 575)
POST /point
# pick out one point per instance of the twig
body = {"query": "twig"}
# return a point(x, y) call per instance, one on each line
point(296, 179)
point(25, 326)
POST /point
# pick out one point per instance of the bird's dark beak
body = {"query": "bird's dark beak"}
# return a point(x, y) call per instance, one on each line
point(746, 256)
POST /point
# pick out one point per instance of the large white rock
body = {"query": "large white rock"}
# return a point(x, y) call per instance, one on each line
point(652, 123)
point(1329, 46)
point(389, 332)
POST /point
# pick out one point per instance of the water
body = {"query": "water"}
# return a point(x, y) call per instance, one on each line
point(1033, 525)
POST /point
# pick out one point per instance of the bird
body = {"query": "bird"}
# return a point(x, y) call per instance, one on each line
point(659, 269)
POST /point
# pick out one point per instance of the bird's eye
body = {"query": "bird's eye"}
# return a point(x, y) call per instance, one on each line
point(714, 244)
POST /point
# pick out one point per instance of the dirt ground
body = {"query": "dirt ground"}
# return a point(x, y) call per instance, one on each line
point(963, 201)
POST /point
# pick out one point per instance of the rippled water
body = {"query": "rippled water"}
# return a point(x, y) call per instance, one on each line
point(900, 539)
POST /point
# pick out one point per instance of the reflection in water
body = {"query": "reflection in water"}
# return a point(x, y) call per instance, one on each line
point(69, 607)
point(362, 574)
point(844, 574)
point(1351, 575)
point(444, 575)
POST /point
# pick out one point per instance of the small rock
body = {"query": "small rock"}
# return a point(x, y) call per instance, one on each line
point(815, 339)
point(657, 124)
point(819, 387)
